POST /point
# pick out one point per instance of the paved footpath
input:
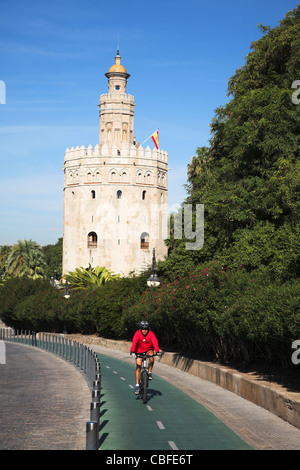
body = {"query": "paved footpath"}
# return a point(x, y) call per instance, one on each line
point(44, 401)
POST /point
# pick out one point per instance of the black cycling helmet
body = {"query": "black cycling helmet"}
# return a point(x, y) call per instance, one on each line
point(144, 325)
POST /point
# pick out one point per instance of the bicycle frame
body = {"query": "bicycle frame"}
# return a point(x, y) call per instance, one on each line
point(143, 383)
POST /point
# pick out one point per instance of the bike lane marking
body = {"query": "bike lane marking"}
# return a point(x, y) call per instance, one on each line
point(172, 445)
point(121, 426)
point(128, 424)
point(160, 425)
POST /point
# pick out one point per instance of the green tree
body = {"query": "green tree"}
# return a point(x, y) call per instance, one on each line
point(25, 259)
point(53, 257)
point(14, 292)
point(4, 252)
point(194, 168)
point(249, 177)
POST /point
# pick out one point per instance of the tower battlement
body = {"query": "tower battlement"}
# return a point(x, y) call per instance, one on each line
point(113, 151)
point(104, 97)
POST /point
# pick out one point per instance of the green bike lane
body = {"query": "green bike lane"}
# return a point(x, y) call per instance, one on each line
point(171, 420)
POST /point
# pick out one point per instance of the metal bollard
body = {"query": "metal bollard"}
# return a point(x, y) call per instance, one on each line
point(92, 432)
point(95, 411)
point(96, 395)
point(97, 369)
point(98, 378)
point(96, 384)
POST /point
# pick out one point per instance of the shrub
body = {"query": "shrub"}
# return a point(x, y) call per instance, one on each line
point(223, 313)
point(214, 312)
point(13, 292)
point(42, 311)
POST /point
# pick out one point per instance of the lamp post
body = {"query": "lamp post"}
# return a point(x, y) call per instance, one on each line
point(54, 280)
point(66, 295)
point(153, 280)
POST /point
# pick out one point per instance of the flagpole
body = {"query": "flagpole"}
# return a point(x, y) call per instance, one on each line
point(148, 138)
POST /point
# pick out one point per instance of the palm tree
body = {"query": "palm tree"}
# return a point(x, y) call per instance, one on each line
point(83, 278)
point(4, 252)
point(193, 168)
point(25, 259)
point(197, 162)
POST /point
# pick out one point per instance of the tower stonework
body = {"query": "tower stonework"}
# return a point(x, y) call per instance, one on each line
point(115, 194)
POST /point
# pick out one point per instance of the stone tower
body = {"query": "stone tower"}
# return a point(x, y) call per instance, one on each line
point(115, 194)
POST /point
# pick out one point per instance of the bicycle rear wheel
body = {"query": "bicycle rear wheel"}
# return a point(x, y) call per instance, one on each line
point(144, 384)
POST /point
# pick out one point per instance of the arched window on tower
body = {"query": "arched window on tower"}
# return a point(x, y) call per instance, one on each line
point(119, 194)
point(145, 241)
point(92, 240)
point(93, 193)
point(144, 195)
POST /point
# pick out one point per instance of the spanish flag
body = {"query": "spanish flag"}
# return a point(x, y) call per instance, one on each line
point(155, 139)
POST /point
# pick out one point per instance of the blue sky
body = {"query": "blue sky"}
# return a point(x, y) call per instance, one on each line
point(53, 57)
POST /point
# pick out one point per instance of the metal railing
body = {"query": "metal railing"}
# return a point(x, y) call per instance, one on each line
point(78, 354)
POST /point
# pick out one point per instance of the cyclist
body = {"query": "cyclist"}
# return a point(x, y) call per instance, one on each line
point(144, 340)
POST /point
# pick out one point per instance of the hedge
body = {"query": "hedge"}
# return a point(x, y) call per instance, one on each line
point(214, 312)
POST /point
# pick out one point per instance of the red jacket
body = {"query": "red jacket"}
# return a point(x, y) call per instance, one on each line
point(141, 343)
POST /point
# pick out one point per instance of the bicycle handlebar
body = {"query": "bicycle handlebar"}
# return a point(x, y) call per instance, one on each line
point(142, 355)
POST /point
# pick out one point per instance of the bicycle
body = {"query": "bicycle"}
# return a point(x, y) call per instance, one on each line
point(144, 377)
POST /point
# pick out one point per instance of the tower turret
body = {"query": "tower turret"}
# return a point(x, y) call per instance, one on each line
point(116, 108)
point(117, 76)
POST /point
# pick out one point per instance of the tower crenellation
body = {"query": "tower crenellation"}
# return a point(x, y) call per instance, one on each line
point(105, 151)
point(82, 158)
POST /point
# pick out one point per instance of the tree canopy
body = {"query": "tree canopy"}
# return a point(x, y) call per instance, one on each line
point(249, 177)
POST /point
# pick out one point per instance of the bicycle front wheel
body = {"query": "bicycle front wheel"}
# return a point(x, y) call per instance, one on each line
point(144, 383)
